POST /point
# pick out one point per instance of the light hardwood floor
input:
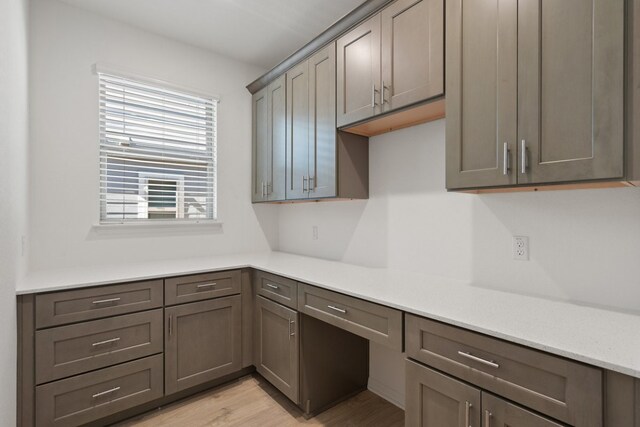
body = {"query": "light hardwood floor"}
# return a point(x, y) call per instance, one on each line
point(251, 401)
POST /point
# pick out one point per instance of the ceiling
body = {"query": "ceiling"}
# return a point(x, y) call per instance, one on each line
point(258, 32)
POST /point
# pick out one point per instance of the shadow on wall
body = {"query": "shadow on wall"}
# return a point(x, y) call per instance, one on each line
point(584, 245)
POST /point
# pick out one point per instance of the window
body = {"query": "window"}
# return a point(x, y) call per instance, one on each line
point(157, 153)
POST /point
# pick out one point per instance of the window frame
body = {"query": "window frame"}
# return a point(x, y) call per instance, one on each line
point(106, 224)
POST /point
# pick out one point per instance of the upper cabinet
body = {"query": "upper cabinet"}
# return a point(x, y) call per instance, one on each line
point(269, 142)
point(535, 94)
point(313, 144)
point(392, 60)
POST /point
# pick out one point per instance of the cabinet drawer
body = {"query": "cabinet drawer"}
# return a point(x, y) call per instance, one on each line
point(199, 287)
point(86, 304)
point(88, 397)
point(278, 289)
point(74, 349)
point(366, 319)
point(568, 391)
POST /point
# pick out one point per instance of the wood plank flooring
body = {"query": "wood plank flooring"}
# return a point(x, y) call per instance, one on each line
point(251, 401)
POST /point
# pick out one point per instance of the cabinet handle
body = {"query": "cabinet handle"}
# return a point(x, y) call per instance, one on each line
point(106, 301)
point(479, 359)
point(487, 418)
point(112, 340)
point(339, 310)
point(311, 187)
point(505, 159)
point(291, 334)
point(382, 100)
point(523, 156)
point(373, 96)
point(170, 325)
point(467, 413)
point(102, 393)
point(268, 188)
point(206, 285)
point(272, 286)
point(304, 184)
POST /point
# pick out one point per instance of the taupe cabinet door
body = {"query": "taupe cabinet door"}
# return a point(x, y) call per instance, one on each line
point(500, 413)
point(298, 131)
point(359, 72)
point(412, 52)
point(269, 142)
point(571, 94)
point(436, 400)
point(277, 346)
point(311, 127)
point(535, 91)
point(202, 342)
point(481, 89)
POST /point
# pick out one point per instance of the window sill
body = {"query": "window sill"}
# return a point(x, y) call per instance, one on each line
point(156, 226)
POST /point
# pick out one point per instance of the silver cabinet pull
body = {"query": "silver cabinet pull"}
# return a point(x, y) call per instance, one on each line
point(112, 340)
point(272, 286)
point(268, 188)
point(106, 301)
point(291, 334)
point(304, 184)
point(206, 285)
point(505, 159)
point(487, 418)
point(312, 187)
point(339, 310)
point(479, 359)
point(523, 156)
point(262, 188)
point(373, 96)
point(467, 414)
point(102, 393)
point(382, 100)
point(170, 325)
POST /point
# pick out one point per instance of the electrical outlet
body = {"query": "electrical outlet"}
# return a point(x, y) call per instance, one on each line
point(315, 232)
point(521, 248)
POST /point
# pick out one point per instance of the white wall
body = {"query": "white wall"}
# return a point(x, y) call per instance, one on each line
point(13, 185)
point(585, 244)
point(65, 43)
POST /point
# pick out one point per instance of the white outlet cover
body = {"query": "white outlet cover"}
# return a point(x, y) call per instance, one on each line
point(521, 248)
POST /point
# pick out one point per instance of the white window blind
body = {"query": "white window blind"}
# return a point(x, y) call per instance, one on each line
point(157, 153)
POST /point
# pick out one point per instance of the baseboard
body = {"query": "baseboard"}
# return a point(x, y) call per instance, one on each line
point(387, 393)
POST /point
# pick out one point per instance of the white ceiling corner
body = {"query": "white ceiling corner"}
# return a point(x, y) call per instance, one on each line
point(258, 32)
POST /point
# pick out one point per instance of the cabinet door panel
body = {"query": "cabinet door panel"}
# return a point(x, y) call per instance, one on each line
point(322, 116)
point(202, 342)
point(359, 72)
point(298, 132)
point(277, 122)
point(499, 413)
point(277, 346)
point(412, 52)
point(571, 94)
point(436, 400)
point(481, 92)
point(260, 145)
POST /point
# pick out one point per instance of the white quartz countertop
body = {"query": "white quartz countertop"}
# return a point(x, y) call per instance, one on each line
point(600, 337)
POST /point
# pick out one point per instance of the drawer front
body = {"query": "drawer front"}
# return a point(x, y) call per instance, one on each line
point(198, 287)
point(278, 289)
point(87, 304)
point(74, 349)
point(88, 397)
point(568, 391)
point(368, 320)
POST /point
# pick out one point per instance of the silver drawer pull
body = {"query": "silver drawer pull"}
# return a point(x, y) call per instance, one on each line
point(206, 285)
point(487, 418)
point(467, 414)
point(102, 393)
point(112, 340)
point(479, 359)
point(339, 310)
point(272, 286)
point(106, 301)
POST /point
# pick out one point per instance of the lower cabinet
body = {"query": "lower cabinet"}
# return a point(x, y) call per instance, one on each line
point(202, 342)
point(277, 346)
point(437, 400)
